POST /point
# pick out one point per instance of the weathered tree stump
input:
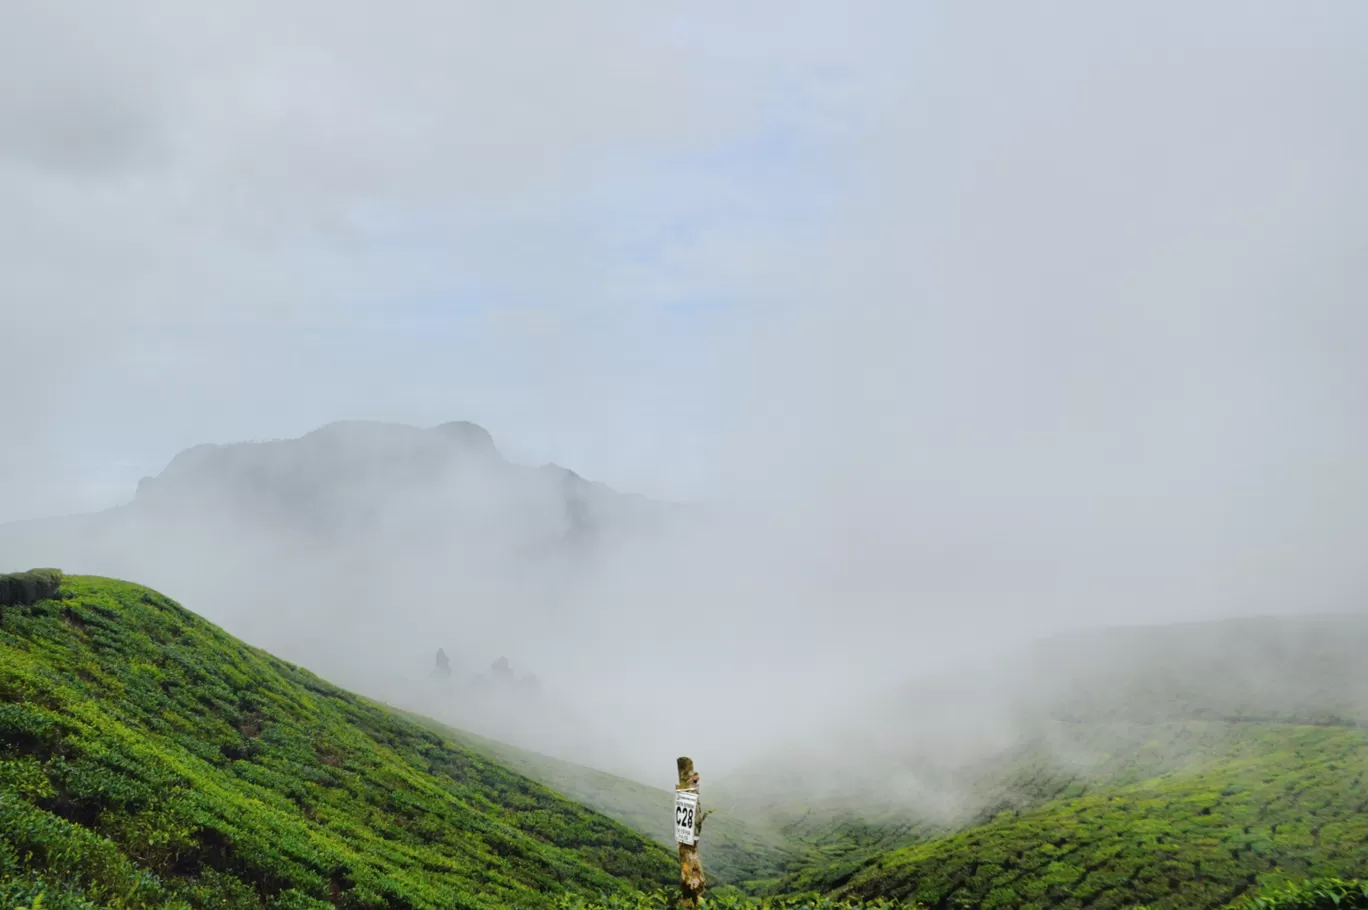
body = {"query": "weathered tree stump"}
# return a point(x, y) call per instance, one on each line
point(691, 881)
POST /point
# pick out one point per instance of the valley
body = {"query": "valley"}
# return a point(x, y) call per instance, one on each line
point(147, 758)
point(1182, 765)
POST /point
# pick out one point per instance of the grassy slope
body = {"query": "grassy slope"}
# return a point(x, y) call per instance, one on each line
point(1114, 754)
point(733, 851)
point(1127, 705)
point(1275, 802)
point(1312, 894)
point(149, 759)
point(146, 758)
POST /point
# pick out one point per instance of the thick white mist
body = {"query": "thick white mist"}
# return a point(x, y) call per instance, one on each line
point(957, 329)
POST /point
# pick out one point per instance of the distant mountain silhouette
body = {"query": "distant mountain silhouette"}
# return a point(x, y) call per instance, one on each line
point(356, 477)
point(356, 548)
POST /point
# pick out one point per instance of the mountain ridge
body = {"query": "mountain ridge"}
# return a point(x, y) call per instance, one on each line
point(354, 450)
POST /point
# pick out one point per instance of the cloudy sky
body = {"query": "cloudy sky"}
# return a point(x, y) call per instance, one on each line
point(227, 225)
point(1089, 275)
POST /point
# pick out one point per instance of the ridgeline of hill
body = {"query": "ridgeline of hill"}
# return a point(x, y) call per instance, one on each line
point(147, 759)
point(357, 480)
point(1253, 806)
point(1070, 699)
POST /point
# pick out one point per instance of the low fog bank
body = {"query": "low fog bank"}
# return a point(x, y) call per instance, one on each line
point(362, 548)
point(618, 632)
point(1098, 705)
point(970, 326)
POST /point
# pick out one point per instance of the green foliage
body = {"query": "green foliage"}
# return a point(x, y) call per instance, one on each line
point(1316, 894)
point(23, 588)
point(1280, 802)
point(148, 759)
point(724, 899)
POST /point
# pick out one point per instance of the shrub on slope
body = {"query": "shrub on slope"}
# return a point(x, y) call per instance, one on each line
point(726, 899)
point(1317, 894)
point(147, 758)
point(22, 588)
point(1283, 802)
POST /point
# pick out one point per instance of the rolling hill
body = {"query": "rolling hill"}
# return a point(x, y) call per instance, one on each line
point(948, 747)
point(1135, 722)
point(1244, 816)
point(1274, 803)
point(1195, 765)
point(147, 758)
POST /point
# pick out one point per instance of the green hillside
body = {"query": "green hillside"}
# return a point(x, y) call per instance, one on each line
point(1312, 894)
point(1085, 713)
point(149, 759)
point(1275, 803)
point(733, 852)
point(1112, 733)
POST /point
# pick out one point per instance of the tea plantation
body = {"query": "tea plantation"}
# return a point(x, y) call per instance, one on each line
point(1276, 804)
point(148, 759)
point(1315, 894)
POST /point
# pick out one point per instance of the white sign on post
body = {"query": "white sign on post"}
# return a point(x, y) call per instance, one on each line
point(686, 805)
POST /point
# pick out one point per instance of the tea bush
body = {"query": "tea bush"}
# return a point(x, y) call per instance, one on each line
point(23, 588)
point(723, 899)
point(1316, 894)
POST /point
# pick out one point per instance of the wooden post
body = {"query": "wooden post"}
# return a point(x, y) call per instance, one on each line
point(691, 881)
